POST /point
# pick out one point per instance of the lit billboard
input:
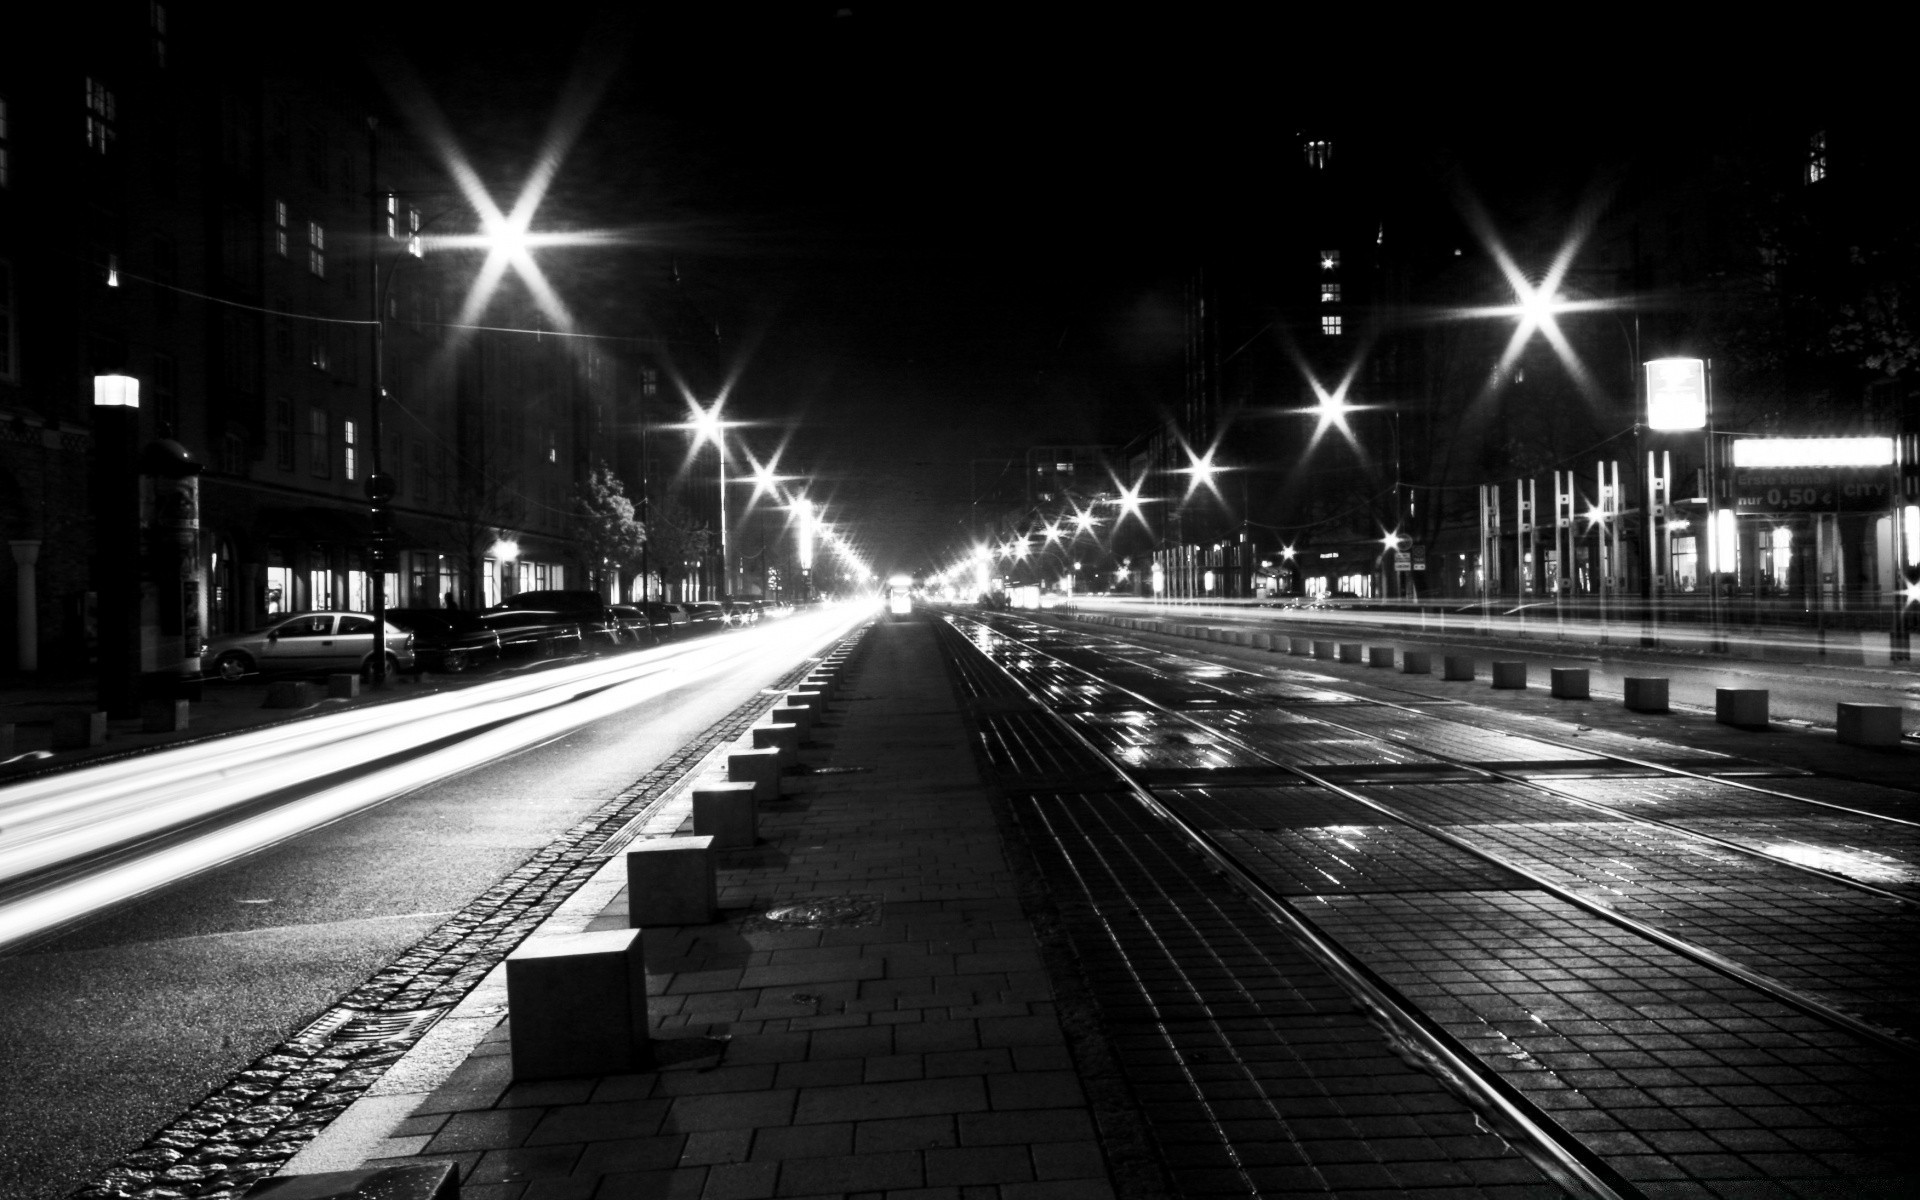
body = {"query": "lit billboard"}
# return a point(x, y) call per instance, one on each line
point(1677, 393)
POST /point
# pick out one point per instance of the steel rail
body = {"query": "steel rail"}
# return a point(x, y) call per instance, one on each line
point(1561, 1156)
point(1793, 997)
point(1832, 877)
point(1665, 768)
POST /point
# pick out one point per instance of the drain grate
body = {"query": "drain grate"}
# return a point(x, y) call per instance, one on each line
point(822, 912)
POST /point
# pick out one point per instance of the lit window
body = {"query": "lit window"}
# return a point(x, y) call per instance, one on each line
point(316, 249)
point(413, 231)
point(350, 450)
point(317, 352)
point(1817, 156)
point(553, 449)
point(1330, 325)
point(1319, 153)
point(393, 215)
point(1329, 260)
point(100, 115)
point(1329, 293)
point(280, 227)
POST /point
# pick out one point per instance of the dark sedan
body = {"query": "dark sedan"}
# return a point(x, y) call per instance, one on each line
point(447, 640)
point(533, 633)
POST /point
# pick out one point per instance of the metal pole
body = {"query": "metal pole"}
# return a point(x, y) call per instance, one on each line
point(720, 449)
point(376, 483)
point(1716, 641)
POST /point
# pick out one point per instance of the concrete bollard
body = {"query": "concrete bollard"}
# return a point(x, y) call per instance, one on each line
point(1646, 693)
point(784, 739)
point(725, 813)
point(1263, 641)
point(427, 1181)
point(811, 698)
point(343, 686)
point(1380, 656)
point(1569, 683)
point(1868, 724)
point(1510, 675)
point(1456, 667)
point(1325, 651)
point(163, 716)
point(824, 684)
point(1742, 708)
point(1299, 646)
point(670, 881)
point(1351, 652)
point(1417, 662)
point(291, 693)
point(578, 1003)
point(797, 715)
point(77, 730)
point(761, 768)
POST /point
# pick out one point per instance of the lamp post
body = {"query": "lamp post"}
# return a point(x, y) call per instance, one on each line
point(708, 427)
point(116, 517)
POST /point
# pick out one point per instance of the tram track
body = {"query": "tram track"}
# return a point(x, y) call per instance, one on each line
point(1073, 692)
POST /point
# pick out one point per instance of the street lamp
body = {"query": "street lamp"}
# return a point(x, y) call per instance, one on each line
point(708, 427)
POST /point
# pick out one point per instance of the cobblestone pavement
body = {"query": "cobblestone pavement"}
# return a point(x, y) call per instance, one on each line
point(1668, 1001)
point(250, 1127)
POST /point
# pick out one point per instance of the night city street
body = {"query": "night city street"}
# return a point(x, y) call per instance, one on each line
point(726, 601)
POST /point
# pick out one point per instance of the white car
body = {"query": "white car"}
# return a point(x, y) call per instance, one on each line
point(307, 643)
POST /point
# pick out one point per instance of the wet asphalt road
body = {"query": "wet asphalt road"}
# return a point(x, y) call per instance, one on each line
point(114, 1028)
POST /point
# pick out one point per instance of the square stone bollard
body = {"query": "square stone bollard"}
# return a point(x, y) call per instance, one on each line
point(1456, 667)
point(796, 715)
point(163, 716)
point(1325, 651)
point(725, 813)
point(812, 698)
point(1243, 637)
point(1417, 662)
point(1568, 683)
point(578, 1003)
point(670, 881)
point(761, 768)
point(343, 686)
point(1510, 675)
point(1352, 652)
point(1742, 708)
point(427, 1181)
point(1646, 693)
point(1868, 724)
point(78, 730)
point(291, 693)
point(1300, 646)
point(1380, 656)
point(783, 738)
point(1263, 641)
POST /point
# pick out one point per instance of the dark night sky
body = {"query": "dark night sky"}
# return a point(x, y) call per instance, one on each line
point(935, 235)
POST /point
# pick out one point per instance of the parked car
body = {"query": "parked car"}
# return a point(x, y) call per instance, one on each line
point(533, 632)
point(661, 616)
point(635, 627)
point(448, 640)
point(738, 614)
point(597, 624)
point(309, 643)
point(680, 616)
point(707, 616)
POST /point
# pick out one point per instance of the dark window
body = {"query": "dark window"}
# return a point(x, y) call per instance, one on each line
point(320, 461)
point(283, 434)
point(355, 625)
point(307, 627)
point(5, 162)
point(9, 362)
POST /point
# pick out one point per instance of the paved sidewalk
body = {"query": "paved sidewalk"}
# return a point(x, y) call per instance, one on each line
point(871, 1016)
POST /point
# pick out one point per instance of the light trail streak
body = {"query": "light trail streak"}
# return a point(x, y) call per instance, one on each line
point(71, 817)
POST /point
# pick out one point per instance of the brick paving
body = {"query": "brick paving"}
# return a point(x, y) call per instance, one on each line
point(910, 1048)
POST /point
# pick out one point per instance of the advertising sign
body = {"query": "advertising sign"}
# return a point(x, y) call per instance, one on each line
point(1832, 474)
point(1677, 393)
